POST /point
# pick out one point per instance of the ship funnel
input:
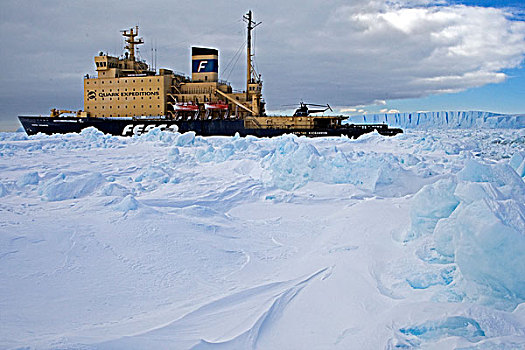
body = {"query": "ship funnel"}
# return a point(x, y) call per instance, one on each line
point(205, 64)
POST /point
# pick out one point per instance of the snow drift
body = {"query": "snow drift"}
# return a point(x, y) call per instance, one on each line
point(168, 239)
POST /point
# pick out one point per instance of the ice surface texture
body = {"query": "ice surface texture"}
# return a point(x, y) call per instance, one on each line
point(169, 240)
point(477, 223)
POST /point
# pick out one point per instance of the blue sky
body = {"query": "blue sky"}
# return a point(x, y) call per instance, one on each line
point(358, 56)
point(490, 3)
point(507, 97)
point(503, 97)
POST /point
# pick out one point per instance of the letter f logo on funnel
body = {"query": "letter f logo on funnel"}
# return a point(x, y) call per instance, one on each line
point(202, 65)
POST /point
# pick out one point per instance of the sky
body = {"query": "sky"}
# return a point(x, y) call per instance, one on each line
point(360, 56)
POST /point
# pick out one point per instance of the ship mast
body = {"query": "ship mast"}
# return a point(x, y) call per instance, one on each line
point(249, 67)
point(131, 41)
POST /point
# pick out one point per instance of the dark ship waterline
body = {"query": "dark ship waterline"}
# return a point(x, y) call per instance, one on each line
point(127, 98)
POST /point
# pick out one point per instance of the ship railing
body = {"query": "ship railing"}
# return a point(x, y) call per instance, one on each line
point(183, 75)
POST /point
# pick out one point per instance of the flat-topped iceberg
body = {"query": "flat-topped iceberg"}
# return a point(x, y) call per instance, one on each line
point(444, 120)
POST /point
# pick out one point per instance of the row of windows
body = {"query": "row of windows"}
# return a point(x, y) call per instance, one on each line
point(111, 107)
point(198, 91)
point(125, 81)
point(126, 89)
point(110, 65)
point(118, 98)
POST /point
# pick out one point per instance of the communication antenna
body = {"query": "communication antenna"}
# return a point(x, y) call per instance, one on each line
point(131, 35)
point(250, 74)
point(155, 66)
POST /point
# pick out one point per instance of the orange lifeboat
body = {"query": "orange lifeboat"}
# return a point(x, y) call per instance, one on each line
point(216, 106)
point(186, 107)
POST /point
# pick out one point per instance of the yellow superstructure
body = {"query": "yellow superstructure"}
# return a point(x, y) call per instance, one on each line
point(126, 87)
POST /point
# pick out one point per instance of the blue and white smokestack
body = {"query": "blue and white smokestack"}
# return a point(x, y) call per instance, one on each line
point(205, 64)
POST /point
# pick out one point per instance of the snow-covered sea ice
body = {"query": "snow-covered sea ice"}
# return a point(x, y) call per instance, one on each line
point(167, 239)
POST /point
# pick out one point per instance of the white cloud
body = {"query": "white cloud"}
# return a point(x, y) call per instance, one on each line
point(386, 110)
point(384, 50)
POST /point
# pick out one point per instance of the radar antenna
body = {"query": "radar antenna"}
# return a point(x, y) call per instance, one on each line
point(130, 35)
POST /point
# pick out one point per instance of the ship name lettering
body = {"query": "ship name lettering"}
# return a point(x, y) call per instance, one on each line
point(129, 93)
point(142, 128)
point(139, 93)
point(108, 94)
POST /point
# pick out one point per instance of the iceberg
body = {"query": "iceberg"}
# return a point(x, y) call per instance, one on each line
point(444, 120)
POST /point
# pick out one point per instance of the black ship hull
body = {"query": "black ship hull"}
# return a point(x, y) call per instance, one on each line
point(215, 127)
